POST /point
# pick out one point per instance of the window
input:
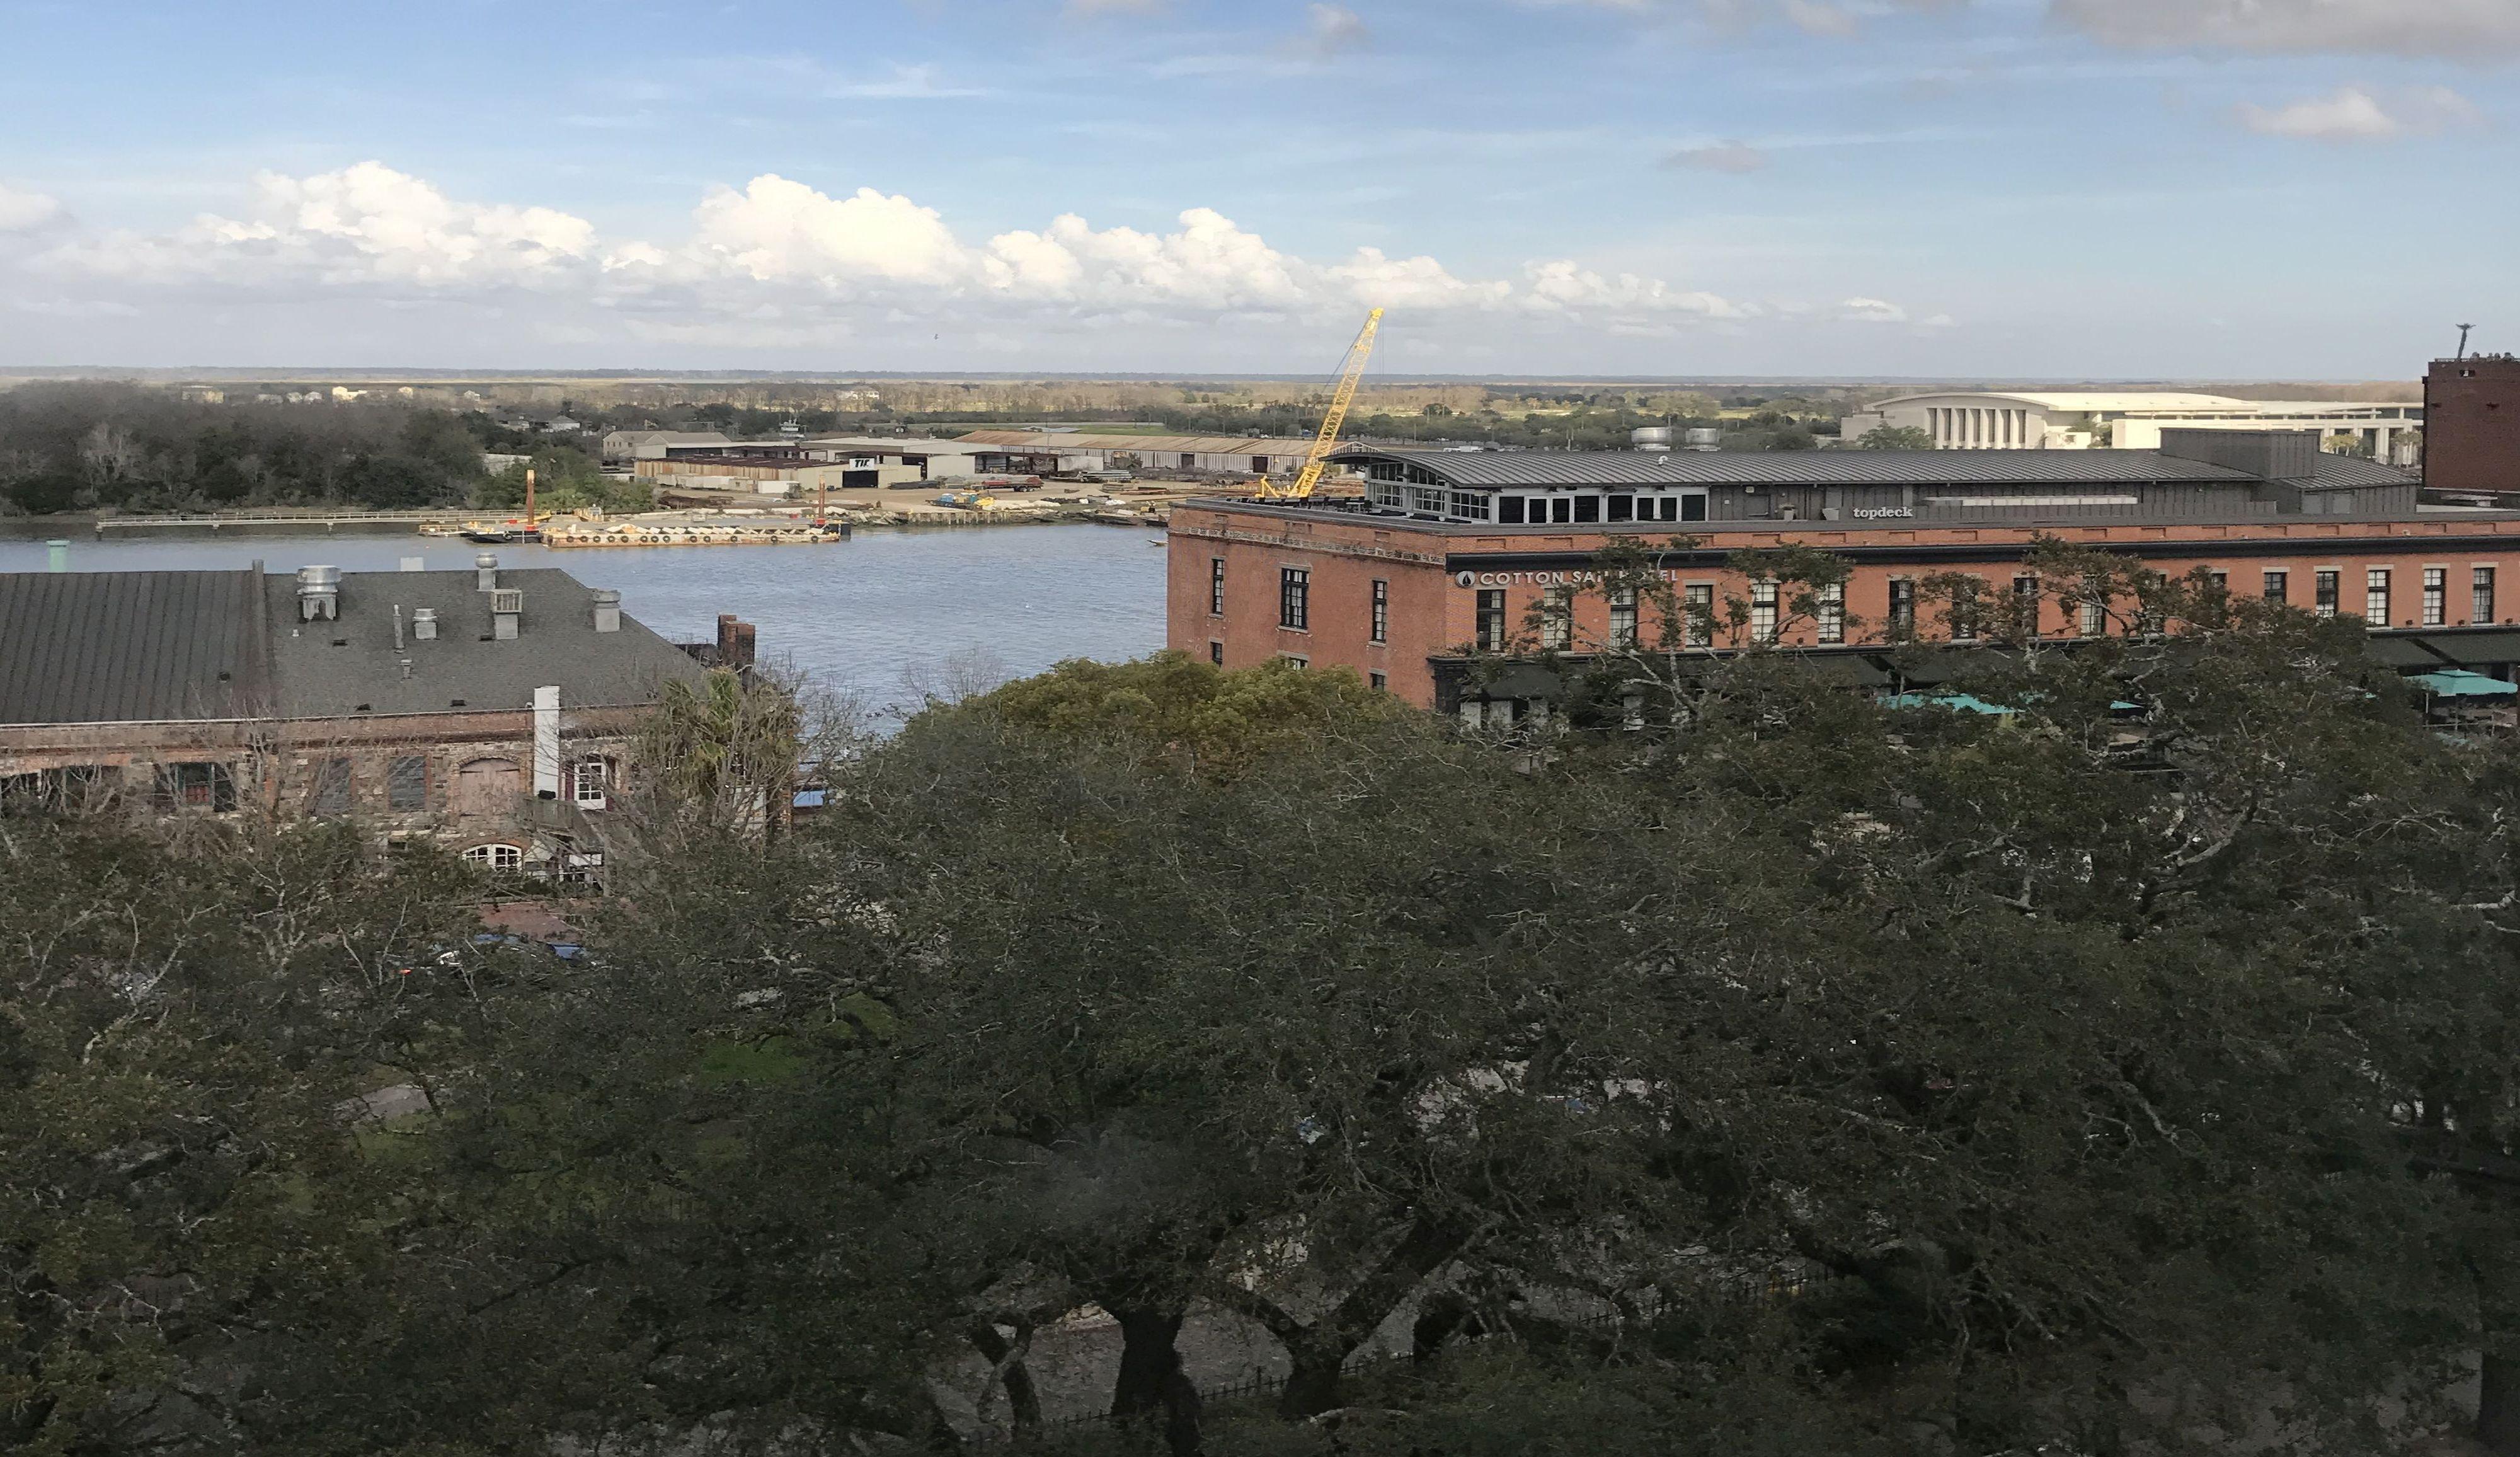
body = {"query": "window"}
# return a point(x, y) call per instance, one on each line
point(1692, 508)
point(2375, 596)
point(2436, 596)
point(1561, 511)
point(407, 783)
point(1557, 618)
point(1622, 509)
point(2480, 606)
point(589, 781)
point(1698, 613)
point(1587, 509)
point(1259, 464)
point(1623, 618)
point(1294, 599)
point(1967, 606)
point(2095, 618)
point(1381, 610)
point(1216, 652)
point(1297, 660)
point(1491, 628)
point(2326, 584)
point(497, 856)
point(1832, 613)
point(1379, 682)
point(1509, 510)
point(2279, 586)
point(1763, 611)
point(328, 792)
point(582, 871)
point(195, 787)
point(2025, 606)
point(1189, 462)
point(1902, 607)
point(1216, 587)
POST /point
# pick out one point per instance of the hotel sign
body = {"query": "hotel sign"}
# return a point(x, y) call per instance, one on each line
point(1883, 513)
point(1545, 578)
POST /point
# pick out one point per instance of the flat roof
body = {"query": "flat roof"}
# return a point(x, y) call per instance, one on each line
point(1497, 470)
point(2070, 402)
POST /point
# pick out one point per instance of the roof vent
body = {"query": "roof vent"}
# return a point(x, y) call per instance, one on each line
point(507, 607)
point(1653, 439)
point(485, 573)
point(608, 610)
point(319, 594)
point(424, 624)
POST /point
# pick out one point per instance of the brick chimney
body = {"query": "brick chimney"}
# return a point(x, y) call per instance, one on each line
point(734, 641)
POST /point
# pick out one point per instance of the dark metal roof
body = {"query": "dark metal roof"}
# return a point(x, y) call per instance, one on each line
point(125, 646)
point(2346, 472)
point(556, 644)
point(1492, 469)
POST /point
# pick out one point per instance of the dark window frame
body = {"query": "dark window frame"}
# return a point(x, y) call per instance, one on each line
point(1489, 624)
point(1294, 599)
point(2480, 595)
point(1381, 627)
point(1216, 587)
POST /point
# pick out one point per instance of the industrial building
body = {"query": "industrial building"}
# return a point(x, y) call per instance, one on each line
point(1450, 553)
point(622, 445)
point(2476, 399)
point(489, 711)
point(1076, 452)
point(1969, 419)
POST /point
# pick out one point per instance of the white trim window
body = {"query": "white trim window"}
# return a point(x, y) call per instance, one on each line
point(590, 781)
point(497, 856)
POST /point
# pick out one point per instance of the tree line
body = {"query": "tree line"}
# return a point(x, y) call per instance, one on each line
point(1744, 1066)
point(120, 447)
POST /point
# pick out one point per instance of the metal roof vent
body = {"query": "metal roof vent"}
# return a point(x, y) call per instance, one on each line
point(1653, 439)
point(424, 624)
point(485, 573)
point(507, 607)
point(319, 594)
point(608, 610)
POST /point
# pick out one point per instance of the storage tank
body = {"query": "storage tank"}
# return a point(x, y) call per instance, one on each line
point(1655, 438)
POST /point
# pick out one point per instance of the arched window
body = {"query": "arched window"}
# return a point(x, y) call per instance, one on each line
point(497, 856)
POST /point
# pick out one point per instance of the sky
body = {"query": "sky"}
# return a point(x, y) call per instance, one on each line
point(1997, 189)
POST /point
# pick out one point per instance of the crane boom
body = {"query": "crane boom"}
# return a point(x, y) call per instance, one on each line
point(1351, 374)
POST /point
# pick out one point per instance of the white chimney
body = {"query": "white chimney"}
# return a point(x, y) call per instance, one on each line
point(424, 624)
point(608, 610)
point(319, 594)
point(547, 743)
point(507, 608)
point(485, 573)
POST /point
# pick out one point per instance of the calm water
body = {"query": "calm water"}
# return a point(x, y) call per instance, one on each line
point(881, 616)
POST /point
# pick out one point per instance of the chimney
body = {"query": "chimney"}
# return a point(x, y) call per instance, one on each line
point(319, 594)
point(424, 624)
point(608, 610)
point(507, 608)
point(485, 573)
point(547, 741)
point(734, 641)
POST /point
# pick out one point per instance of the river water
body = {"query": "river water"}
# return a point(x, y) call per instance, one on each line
point(881, 619)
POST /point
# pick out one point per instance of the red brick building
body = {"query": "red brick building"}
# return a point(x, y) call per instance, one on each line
point(491, 711)
point(1451, 552)
point(2472, 425)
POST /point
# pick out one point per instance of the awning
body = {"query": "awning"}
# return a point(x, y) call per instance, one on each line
point(2458, 682)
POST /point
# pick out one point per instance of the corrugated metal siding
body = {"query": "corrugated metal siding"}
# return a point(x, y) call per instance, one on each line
point(1801, 468)
point(114, 647)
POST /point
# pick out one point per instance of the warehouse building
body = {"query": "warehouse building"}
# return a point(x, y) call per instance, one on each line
point(1450, 554)
point(1076, 452)
point(1964, 419)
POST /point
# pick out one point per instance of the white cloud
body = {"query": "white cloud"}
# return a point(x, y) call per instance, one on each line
point(1337, 29)
point(780, 263)
point(366, 223)
point(1816, 17)
point(25, 211)
point(2354, 115)
point(1719, 156)
point(2395, 27)
point(906, 83)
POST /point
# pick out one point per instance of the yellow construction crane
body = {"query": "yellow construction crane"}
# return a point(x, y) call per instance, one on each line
point(1351, 374)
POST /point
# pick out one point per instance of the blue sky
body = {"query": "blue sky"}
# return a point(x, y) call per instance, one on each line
point(2286, 189)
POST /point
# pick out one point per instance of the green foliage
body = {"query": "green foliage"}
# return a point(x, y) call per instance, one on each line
point(1896, 438)
point(1220, 723)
